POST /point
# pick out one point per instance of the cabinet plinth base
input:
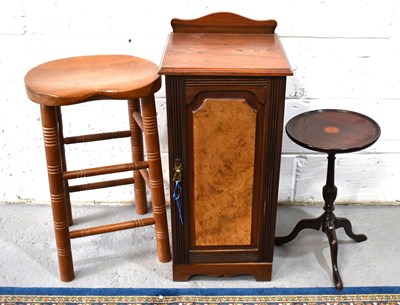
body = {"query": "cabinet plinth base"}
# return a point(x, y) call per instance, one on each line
point(261, 271)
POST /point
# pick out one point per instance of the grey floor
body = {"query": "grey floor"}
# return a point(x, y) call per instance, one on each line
point(129, 259)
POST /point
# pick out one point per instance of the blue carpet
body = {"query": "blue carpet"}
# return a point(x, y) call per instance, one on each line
point(224, 296)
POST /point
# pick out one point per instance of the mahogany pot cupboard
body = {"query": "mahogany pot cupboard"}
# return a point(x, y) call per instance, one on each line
point(225, 85)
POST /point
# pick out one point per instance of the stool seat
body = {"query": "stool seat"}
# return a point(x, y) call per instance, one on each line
point(333, 130)
point(75, 80)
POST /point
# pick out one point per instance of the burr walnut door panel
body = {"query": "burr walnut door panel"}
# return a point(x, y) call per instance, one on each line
point(223, 143)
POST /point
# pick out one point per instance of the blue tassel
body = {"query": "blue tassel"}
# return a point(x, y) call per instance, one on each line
point(176, 196)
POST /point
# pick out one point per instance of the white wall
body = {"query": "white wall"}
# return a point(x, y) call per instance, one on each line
point(344, 55)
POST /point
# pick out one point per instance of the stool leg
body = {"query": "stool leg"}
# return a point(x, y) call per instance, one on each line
point(149, 116)
point(64, 164)
point(57, 192)
point(137, 155)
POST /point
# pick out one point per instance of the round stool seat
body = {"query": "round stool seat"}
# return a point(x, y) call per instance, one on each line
point(333, 131)
point(79, 79)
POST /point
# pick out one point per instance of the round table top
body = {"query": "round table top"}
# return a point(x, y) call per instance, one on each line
point(333, 130)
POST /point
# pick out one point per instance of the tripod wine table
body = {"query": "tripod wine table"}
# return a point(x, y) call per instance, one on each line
point(331, 131)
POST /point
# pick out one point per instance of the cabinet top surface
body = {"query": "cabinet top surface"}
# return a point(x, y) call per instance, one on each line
point(224, 54)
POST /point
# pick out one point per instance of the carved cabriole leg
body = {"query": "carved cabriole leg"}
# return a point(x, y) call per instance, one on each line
point(57, 193)
point(64, 164)
point(314, 223)
point(346, 225)
point(333, 245)
point(156, 177)
point(137, 155)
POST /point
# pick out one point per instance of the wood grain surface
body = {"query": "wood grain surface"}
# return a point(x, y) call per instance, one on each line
point(224, 141)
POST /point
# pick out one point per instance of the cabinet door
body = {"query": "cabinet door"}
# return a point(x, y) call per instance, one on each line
point(221, 145)
point(226, 132)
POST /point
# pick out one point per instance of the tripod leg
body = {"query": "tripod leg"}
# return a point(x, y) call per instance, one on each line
point(314, 223)
point(346, 225)
point(333, 244)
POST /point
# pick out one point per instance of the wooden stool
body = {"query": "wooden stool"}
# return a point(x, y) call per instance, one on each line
point(77, 80)
point(332, 132)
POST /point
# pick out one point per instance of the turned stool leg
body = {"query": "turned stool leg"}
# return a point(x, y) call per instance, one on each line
point(64, 164)
point(150, 127)
point(57, 192)
point(137, 155)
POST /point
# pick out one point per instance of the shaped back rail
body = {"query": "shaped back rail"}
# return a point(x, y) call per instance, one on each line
point(224, 23)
